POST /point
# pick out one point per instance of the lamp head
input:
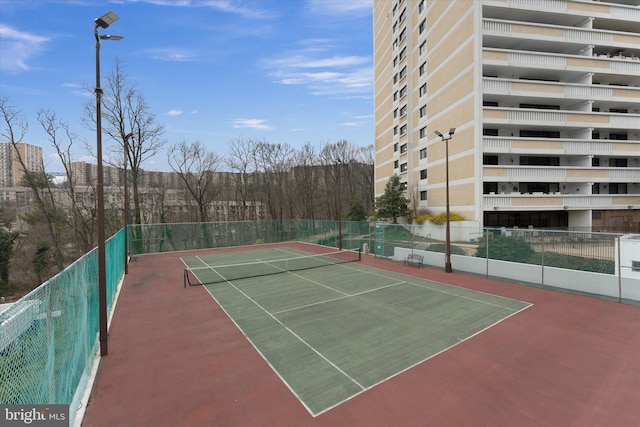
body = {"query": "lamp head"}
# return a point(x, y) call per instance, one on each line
point(110, 37)
point(107, 19)
point(452, 131)
point(439, 134)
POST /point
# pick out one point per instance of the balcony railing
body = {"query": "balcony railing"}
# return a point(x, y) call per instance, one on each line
point(496, 144)
point(560, 173)
point(514, 201)
point(520, 116)
point(560, 90)
point(561, 62)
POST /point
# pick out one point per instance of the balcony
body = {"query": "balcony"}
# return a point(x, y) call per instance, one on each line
point(560, 146)
point(553, 66)
point(539, 202)
point(554, 38)
point(560, 92)
point(560, 173)
point(520, 117)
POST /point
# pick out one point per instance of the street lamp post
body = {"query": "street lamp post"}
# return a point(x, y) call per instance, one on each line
point(103, 22)
point(125, 211)
point(447, 256)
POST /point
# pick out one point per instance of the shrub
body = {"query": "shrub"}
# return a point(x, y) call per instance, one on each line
point(507, 249)
point(442, 248)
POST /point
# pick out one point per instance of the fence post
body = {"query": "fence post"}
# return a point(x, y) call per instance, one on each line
point(619, 272)
point(486, 257)
point(542, 257)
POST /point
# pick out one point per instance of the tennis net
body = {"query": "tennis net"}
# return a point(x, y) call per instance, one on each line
point(195, 276)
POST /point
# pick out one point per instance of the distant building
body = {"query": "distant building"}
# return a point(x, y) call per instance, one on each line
point(11, 168)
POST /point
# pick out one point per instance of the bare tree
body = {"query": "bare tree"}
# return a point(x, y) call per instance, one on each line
point(305, 181)
point(274, 161)
point(337, 160)
point(242, 162)
point(81, 218)
point(125, 112)
point(14, 129)
point(196, 168)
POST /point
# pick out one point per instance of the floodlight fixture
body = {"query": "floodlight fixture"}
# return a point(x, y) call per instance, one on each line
point(107, 19)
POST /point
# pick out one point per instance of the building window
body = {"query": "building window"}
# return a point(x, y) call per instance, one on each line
point(395, 164)
point(423, 153)
point(423, 26)
point(423, 174)
point(423, 132)
point(423, 111)
point(423, 47)
point(422, 68)
point(403, 110)
point(395, 95)
point(395, 147)
point(421, 6)
point(403, 53)
point(490, 132)
point(403, 72)
point(403, 130)
point(617, 163)
point(403, 148)
point(405, 185)
point(403, 34)
point(395, 113)
point(635, 265)
point(403, 91)
point(423, 89)
point(423, 195)
point(403, 167)
point(490, 159)
point(395, 130)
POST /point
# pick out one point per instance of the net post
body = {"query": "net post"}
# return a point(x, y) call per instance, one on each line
point(359, 254)
point(184, 278)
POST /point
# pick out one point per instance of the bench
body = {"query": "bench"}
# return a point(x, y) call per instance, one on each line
point(414, 259)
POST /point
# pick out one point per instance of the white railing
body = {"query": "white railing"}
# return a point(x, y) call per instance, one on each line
point(496, 26)
point(537, 116)
point(625, 13)
point(627, 67)
point(633, 175)
point(588, 91)
point(629, 121)
point(496, 144)
point(530, 172)
point(496, 86)
point(540, 4)
point(536, 59)
point(587, 35)
point(587, 201)
point(582, 147)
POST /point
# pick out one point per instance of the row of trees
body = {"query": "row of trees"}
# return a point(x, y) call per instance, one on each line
point(332, 181)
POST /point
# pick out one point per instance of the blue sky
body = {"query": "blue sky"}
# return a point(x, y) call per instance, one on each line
point(283, 71)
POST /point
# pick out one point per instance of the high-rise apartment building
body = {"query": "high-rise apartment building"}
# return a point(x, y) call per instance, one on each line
point(544, 96)
point(12, 169)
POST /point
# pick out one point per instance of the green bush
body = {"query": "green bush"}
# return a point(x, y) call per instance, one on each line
point(441, 248)
point(507, 249)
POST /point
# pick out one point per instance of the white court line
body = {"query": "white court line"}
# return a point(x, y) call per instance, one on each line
point(297, 336)
point(337, 298)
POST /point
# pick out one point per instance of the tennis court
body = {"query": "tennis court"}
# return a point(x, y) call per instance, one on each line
point(334, 332)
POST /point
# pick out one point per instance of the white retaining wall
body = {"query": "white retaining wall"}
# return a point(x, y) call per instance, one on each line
point(607, 285)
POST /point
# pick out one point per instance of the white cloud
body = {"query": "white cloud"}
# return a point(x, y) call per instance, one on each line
point(174, 112)
point(251, 124)
point(350, 8)
point(17, 48)
point(234, 7)
point(174, 55)
point(352, 124)
point(323, 72)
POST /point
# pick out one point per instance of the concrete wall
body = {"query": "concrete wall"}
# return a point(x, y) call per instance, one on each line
point(606, 285)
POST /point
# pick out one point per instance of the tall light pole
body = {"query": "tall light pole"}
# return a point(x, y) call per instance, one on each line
point(103, 22)
point(125, 211)
point(447, 255)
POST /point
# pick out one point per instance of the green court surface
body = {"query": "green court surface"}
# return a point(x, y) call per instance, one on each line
point(333, 332)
